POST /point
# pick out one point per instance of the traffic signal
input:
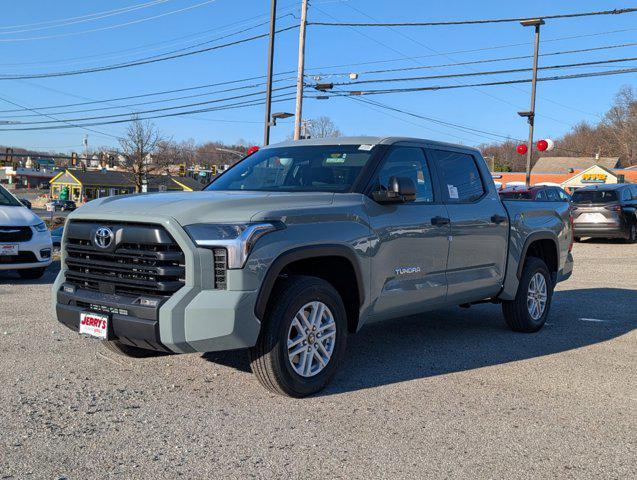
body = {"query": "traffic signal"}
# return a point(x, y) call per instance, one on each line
point(182, 169)
point(213, 170)
point(74, 159)
point(111, 161)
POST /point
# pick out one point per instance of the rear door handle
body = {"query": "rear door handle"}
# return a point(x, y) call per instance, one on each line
point(440, 221)
point(498, 218)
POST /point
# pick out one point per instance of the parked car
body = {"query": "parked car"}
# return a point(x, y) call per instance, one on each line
point(25, 202)
point(299, 245)
point(606, 211)
point(25, 242)
point(61, 205)
point(540, 193)
point(56, 236)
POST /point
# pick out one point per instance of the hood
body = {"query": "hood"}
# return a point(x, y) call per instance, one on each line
point(201, 207)
point(17, 217)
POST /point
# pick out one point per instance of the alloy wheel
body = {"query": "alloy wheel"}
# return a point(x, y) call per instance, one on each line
point(311, 339)
point(537, 296)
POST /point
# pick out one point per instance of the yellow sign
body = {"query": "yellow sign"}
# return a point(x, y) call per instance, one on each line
point(594, 178)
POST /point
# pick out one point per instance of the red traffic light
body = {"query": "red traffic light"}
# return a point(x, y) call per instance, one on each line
point(252, 149)
point(522, 149)
point(542, 145)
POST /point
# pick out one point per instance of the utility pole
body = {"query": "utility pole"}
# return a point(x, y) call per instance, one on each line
point(530, 115)
point(300, 73)
point(268, 89)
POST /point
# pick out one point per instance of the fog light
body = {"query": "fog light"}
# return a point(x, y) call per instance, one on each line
point(45, 253)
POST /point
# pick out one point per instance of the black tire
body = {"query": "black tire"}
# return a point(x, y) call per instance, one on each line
point(130, 351)
point(632, 233)
point(577, 239)
point(31, 273)
point(269, 357)
point(516, 312)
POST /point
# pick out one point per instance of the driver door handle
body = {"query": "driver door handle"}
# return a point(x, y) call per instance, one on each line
point(440, 221)
point(498, 219)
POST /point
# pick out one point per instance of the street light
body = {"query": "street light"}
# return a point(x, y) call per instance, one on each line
point(530, 115)
point(280, 115)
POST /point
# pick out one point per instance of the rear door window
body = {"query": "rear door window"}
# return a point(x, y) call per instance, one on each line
point(552, 194)
point(563, 195)
point(541, 196)
point(459, 174)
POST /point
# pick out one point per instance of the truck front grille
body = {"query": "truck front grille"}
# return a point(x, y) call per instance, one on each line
point(142, 259)
point(15, 234)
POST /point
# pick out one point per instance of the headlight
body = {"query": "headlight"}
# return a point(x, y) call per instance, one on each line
point(238, 239)
point(40, 227)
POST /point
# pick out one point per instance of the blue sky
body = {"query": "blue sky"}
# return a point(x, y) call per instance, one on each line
point(28, 48)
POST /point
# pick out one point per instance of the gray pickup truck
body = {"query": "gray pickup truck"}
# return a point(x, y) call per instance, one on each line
point(302, 243)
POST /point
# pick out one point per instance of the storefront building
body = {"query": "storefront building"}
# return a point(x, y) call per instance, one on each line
point(89, 185)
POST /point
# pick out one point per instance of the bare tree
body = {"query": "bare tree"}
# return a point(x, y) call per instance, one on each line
point(322, 127)
point(137, 146)
point(620, 124)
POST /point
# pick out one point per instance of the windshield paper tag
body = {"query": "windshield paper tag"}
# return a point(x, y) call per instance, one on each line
point(366, 148)
point(453, 191)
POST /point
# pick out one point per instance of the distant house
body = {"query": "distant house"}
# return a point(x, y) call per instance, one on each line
point(572, 164)
point(98, 184)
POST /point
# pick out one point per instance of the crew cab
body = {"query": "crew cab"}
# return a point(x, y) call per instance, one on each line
point(303, 243)
point(25, 241)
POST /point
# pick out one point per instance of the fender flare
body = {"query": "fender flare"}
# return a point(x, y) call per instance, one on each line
point(302, 253)
point(533, 237)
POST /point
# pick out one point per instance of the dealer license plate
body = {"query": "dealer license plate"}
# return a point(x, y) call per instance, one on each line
point(94, 325)
point(8, 249)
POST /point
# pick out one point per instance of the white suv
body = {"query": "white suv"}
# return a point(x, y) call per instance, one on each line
point(25, 242)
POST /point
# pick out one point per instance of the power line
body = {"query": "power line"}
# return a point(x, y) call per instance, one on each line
point(144, 48)
point(176, 114)
point(476, 22)
point(144, 61)
point(491, 72)
point(110, 27)
point(81, 19)
point(163, 109)
point(475, 62)
point(165, 100)
point(472, 50)
point(505, 82)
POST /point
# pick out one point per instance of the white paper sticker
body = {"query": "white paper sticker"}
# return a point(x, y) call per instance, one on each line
point(453, 191)
point(366, 148)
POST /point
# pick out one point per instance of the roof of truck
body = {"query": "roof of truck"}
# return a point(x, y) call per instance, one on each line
point(363, 140)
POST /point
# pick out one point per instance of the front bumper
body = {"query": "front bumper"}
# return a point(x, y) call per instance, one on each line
point(196, 318)
point(39, 244)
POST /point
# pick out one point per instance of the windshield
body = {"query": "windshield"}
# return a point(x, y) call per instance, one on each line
point(8, 200)
point(318, 168)
point(595, 196)
point(513, 195)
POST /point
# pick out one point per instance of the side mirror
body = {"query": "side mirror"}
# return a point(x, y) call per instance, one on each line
point(401, 190)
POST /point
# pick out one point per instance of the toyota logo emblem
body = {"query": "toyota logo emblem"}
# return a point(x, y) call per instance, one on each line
point(103, 237)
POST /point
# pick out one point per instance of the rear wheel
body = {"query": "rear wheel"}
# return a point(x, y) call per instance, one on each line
point(632, 233)
point(530, 308)
point(302, 339)
point(31, 273)
point(129, 350)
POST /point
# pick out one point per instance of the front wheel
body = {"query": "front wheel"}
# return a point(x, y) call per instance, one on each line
point(302, 339)
point(530, 308)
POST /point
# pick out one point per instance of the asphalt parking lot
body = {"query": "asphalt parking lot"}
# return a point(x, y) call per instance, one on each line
point(452, 394)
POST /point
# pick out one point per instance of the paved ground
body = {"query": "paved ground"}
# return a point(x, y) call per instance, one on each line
point(453, 394)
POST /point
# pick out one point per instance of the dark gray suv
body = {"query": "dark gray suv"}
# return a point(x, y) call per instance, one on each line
point(606, 211)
